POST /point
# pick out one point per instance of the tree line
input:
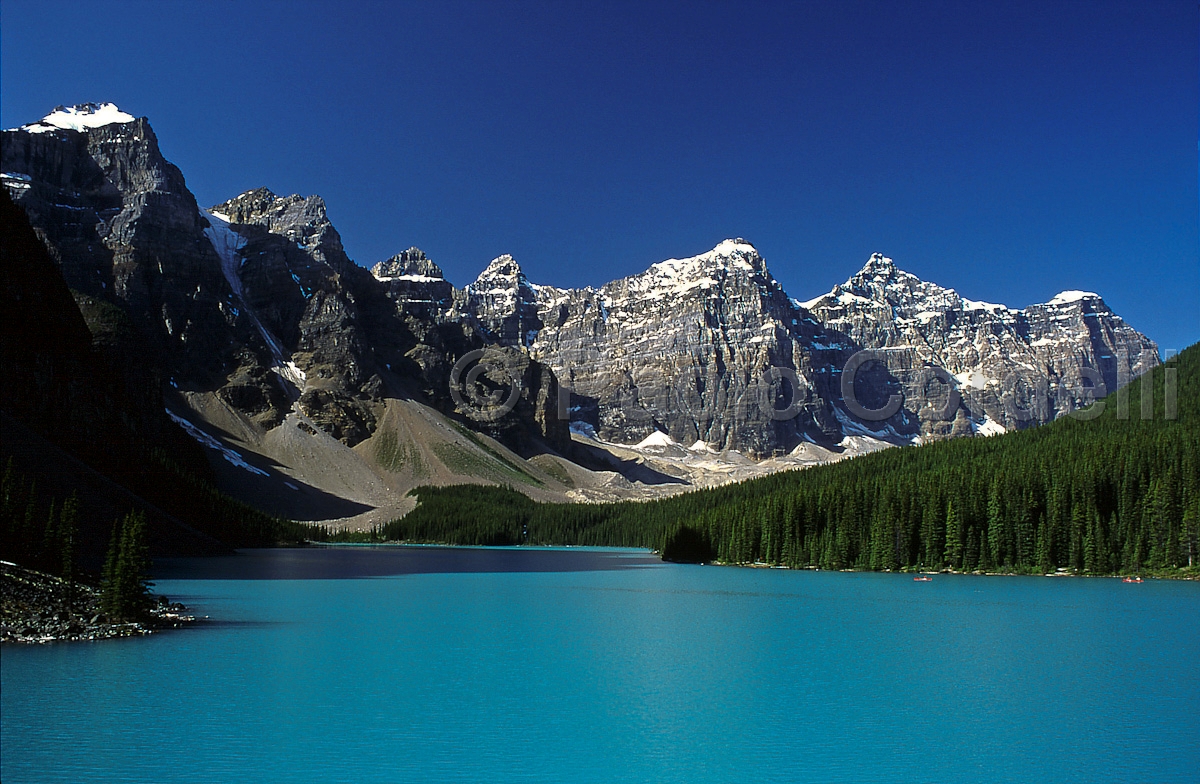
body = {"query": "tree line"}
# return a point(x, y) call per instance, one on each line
point(1113, 494)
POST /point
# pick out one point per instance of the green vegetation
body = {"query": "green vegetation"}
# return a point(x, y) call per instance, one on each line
point(125, 583)
point(553, 469)
point(45, 538)
point(393, 454)
point(508, 466)
point(462, 460)
point(687, 545)
point(1115, 494)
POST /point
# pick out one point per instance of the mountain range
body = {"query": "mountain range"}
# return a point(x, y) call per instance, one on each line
point(325, 391)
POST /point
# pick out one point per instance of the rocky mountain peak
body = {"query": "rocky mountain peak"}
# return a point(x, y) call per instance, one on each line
point(410, 264)
point(502, 268)
point(732, 259)
point(878, 267)
point(245, 208)
point(731, 254)
point(295, 215)
point(503, 302)
point(882, 284)
point(982, 344)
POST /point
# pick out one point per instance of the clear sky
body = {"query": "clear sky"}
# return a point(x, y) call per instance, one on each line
point(1007, 149)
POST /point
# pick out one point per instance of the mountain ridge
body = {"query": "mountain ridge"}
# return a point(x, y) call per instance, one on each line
point(265, 329)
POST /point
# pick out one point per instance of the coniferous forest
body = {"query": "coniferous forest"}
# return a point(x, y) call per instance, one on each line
point(1116, 490)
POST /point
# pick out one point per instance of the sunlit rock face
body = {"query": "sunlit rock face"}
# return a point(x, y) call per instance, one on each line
point(695, 348)
point(1012, 368)
point(503, 303)
point(416, 284)
point(687, 348)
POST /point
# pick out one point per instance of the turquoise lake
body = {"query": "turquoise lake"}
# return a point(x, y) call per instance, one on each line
point(497, 665)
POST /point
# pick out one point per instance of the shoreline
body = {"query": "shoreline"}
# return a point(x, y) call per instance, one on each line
point(38, 608)
point(1151, 574)
point(1181, 573)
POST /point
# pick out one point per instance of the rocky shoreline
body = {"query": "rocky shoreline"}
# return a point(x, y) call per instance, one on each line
point(38, 608)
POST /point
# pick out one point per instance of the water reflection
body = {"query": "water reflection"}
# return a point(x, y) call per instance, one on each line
point(341, 563)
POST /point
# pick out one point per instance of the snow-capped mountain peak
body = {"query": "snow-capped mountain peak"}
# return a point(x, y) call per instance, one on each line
point(882, 285)
point(1072, 296)
point(734, 254)
point(921, 324)
point(673, 277)
point(80, 117)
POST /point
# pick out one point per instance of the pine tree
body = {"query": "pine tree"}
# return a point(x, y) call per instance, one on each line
point(125, 590)
point(109, 602)
point(953, 536)
point(68, 535)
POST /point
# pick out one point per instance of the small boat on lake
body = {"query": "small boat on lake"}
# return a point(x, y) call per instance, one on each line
point(922, 579)
point(1133, 580)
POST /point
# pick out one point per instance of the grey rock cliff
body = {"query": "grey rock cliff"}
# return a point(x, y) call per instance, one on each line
point(1011, 367)
point(695, 348)
point(120, 222)
point(685, 348)
point(502, 303)
point(415, 284)
point(257, 300)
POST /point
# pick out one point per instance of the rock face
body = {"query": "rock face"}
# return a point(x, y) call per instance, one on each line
point(686, 348)
point(503, 303)
point(311, 302)
point(120, 222)
point(415, 284)
point(1012, 368)
point(256, 301)
point(695, 348)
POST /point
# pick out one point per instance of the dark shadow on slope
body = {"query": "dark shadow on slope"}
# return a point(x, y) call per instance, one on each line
point(275, 493)
point(596, 459)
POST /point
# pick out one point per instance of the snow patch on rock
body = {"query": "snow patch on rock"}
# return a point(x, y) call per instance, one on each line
point(79, 118)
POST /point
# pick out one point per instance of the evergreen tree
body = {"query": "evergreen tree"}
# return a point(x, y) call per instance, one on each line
point(953, 537)
point(125, 591)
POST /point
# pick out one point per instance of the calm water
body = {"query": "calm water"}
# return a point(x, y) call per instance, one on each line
point(430, 664)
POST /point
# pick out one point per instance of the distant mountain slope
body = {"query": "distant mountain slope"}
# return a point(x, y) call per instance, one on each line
point(1012, 367)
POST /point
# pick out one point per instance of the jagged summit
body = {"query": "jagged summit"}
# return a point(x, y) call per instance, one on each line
point(878, 266)
point(680, 348)
point(255, 201)
point(503, 303)
point(882, 284)
point(503, 267)
point(411, 264)
point(80, 117)
point(302, 219)
point(731, 257)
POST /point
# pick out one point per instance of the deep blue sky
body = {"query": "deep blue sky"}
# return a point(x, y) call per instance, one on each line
point(1007, 149)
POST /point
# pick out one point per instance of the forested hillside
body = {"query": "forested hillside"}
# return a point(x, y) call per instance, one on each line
point(1119, 492)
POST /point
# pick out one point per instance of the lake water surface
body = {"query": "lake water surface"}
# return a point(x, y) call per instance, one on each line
point(546, 665)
